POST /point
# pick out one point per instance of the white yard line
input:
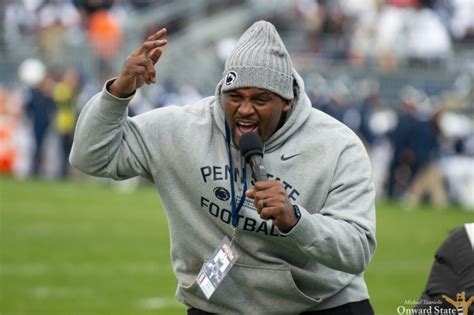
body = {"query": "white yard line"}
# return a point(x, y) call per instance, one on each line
point(38, 269)
point(157, 303)
point(42, 293)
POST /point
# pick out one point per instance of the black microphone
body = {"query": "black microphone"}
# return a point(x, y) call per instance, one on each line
point(251, 148)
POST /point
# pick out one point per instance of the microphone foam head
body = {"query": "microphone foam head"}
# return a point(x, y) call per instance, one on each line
point(250, 144)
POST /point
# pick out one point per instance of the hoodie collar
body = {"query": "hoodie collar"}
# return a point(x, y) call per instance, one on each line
point(295, 118)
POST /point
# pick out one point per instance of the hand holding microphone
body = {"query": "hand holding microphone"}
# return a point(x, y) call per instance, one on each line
point(270, 198)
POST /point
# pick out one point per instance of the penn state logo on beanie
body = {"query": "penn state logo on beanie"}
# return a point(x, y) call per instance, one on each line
point(230, 78)
point(260, 60)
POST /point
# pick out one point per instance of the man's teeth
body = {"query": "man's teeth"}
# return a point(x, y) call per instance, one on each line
point(246, 124)
point(245, 127)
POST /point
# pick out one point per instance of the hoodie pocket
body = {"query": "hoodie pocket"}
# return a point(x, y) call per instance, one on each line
point(273, 281)
point(253, 290)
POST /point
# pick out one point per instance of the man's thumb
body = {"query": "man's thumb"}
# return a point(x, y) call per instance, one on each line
point(250, 193)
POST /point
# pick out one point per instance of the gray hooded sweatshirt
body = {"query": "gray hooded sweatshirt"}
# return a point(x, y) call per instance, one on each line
point(322, 164)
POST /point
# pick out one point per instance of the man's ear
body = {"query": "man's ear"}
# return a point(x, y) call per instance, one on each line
point(288, 105)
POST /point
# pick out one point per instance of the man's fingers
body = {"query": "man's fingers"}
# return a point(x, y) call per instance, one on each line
point(264, 195)
point(148, 46)
point(250, 193)
point(140, 71)
point(137, 70)
point(267, 184)
point(150, 72)
point(147, 55)
point(263, 203)
point(156, 54)
point(146, 64)
point(159, 34)
point(269, 213)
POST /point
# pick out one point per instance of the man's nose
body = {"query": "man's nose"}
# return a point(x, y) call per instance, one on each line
point(246, 108)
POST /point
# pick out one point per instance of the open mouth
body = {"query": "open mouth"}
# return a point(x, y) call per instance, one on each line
point(244, 126)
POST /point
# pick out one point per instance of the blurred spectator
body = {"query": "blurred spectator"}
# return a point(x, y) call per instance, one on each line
point(414, 172)
point(369, 105)
point(40, 109)
point(402, 165)
point(459, 173)
point(55, 18)
point(143, 4)
point(363, 16)
point(428, 181)
point(19, 22)
point(461, 22)
point(410, 30)
point(428, 39)
point(382, 121)
point(458, 166)
point(335, 19)
point(335, 24)
point(318, 90)
point(313, 16)
point(337, 105)
point(65, 95)
point(87, 7)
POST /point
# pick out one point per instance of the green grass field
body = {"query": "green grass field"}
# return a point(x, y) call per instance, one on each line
point(86, 248)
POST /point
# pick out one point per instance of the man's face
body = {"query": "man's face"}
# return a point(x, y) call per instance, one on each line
point(254, 109)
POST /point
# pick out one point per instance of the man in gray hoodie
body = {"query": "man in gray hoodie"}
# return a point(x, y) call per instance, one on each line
point(303, 237)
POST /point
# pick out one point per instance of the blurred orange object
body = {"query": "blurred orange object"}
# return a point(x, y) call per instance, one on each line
point(7, 150)
point(404, 3)
point(8, 118)
point(104, 33)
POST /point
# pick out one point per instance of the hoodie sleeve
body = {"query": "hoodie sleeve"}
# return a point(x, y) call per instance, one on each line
point(342, 235)
point(107, 143)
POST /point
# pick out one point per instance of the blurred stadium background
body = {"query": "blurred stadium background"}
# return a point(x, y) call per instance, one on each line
point(400, 73)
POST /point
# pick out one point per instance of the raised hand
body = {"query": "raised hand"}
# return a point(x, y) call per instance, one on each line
point(138, 68)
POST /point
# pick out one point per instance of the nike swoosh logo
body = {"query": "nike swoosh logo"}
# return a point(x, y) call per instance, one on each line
point(286, 158)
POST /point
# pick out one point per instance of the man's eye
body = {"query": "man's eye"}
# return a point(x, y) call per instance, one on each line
point(261, 101)
point(235, 97)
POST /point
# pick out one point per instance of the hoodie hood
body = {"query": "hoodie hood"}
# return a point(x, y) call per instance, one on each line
point(295, 118)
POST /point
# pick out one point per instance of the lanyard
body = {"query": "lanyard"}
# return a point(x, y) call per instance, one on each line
point(235, 208)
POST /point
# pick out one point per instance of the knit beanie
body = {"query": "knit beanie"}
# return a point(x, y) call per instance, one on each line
point(260, 60)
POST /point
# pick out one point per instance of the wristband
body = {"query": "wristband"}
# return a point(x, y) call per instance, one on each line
point(297, 212)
